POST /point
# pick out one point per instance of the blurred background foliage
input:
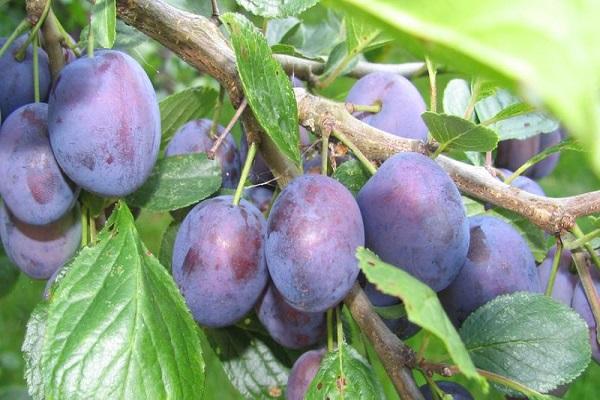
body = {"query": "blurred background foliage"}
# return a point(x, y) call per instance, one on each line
point(169, 75)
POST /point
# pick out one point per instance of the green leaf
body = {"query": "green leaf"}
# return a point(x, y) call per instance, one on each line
point(352, 175)
point(165, 256)
point(344, 374)
point(336, 58)
point(278, 28)
point(359, 34)
point(422, 307)
point(529, 338)
point(9, 274)
point(457, 133)
point(252, 363)
point(472, 207)
point(391, 312)
point(117, 325)
point(266, 86)
point(177, 182)
point(184, 106)
point(33, 345)
point(276, 8)
point(94, 204)
point(551, 57)
point(511, 118)
point(457, 96)
point(104, 22)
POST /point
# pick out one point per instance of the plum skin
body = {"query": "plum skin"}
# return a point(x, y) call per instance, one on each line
point(401, 104)
point(218, 260)
point(415, 220)
point(39, 251)
point(313, 231)
point(499, 262)
point(16, 85)
point(289, 327)
point(104, 123)
point(303, 372)
point(456, 390)
point(34, 188)
point(193, 137)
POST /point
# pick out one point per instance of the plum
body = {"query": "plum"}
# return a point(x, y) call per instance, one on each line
point(40, 250)
point(303, 372)
point(499, 262)
point(33, 188)
point(289, 327)
point(415, 220)
point(104, 123)
point(219, 262)
point(16, 85)
point(194, 137)
point(259, 196)
point(313, 231)
point(513, 153)
point(400, 326)
point(565, 281)
point(582, 306)
point(457, 391)
point(401, 104)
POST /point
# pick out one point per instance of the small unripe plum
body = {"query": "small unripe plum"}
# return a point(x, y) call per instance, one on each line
point(16, 79)
point(414, 219)
point(303, 372)
point(457, 391)
point(289, 327)
point(33, 186)
point(218, 260)
point(564, 282)
point(401, 104)
point(194, 137)
point(40, 250)
point(499, 262)
point(104, 123)
point(313, 231)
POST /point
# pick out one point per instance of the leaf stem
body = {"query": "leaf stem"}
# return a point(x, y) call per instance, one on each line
point(245, 172)
point(519, 387)
point(536, 159)
point(580, 242)
point(92, 228)
point(432, 71)
point(357, 153)
point(22, 27)
point(84, 226)
point(555, 263)
point(576, 230)
point(474, 95)
point(67, 39)
point(20, 55)
point(212, 133)
point(440, 149)
point(36, 70)
point(213, 150)
point(329, 316)
point(324, 153)
point(423, 346)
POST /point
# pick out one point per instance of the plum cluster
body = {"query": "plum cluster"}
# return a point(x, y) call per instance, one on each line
point(99, 130)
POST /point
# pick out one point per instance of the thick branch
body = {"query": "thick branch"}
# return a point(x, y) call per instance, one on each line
point(393, 353)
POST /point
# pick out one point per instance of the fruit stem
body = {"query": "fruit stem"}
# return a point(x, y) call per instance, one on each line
point(370, 108)
point(22, 27)
point(438, 394)
point(245, 172)
point(20, 55)
point(92, 228)
point(576, 230)
point(357, 153)
point(324, 153)
point(67, 39)
point(432, 84)
point(36, 71)
point(84, 227)
point(555, 262)
point(588, 287)
point(582, 240)
point(329, 316)
point(423, 346)
point(213, 150)
point(90, 39)
point(212, 133)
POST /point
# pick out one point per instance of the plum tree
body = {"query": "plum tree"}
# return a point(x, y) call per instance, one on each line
point(40, 250)
point(194, 137)
point(16, 85)
point(403, 328)
point(313, 231)
point(513, 153)
point(499, 262)
point(106, 156)
point(33, 187)
point(414, 219)
point(303, 372)
point(218, 260)
point(289, 327)
point(457, 391)
point(401, 104)
point(565, 281)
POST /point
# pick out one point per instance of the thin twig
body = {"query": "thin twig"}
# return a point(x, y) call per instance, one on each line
point(211, 153)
